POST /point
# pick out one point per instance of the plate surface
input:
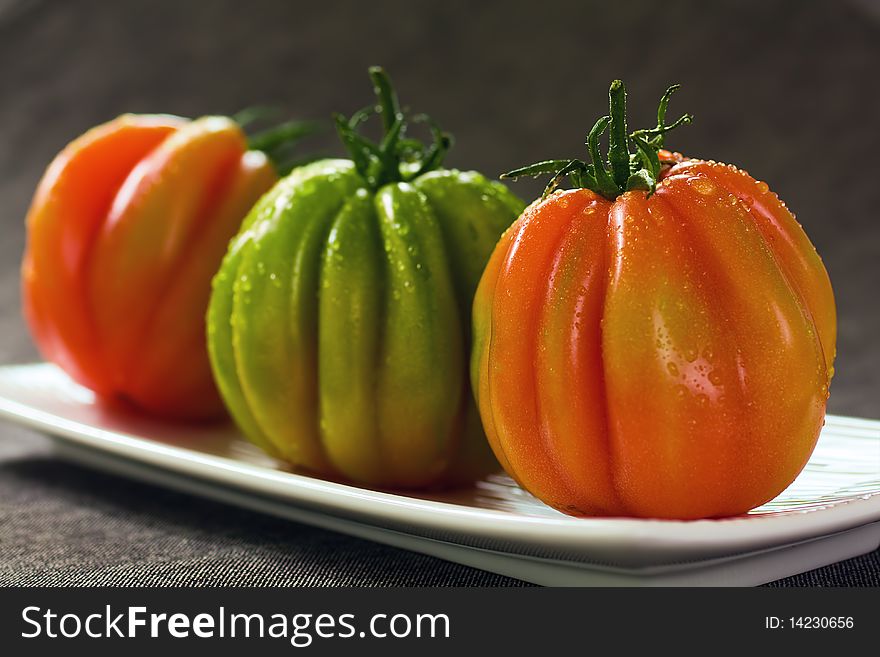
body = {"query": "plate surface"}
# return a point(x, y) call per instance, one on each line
point(831, 512)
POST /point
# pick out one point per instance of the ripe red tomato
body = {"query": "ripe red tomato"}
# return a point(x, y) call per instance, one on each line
point(660, 348)
point(126, 229)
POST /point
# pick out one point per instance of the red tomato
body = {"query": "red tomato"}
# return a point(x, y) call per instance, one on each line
point(662, 353)
point(126, 229)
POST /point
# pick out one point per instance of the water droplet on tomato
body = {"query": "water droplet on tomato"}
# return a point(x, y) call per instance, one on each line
point(762, 187)
point(702, 186)
point(672, 368)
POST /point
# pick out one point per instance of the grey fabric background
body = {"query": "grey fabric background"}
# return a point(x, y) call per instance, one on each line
point(788, 90)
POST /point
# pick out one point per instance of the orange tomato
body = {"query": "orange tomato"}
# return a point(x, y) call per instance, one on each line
point(126, 229)
point(663, 353)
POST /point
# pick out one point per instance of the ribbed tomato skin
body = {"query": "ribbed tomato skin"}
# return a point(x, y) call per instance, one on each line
point(663, 355)
point(125, 231)
point(339, 323)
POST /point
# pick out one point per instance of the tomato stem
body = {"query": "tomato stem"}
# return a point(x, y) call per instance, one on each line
point(618, 141)
point(389, 106)
point(278, 142)
point(623, 170)
point(396, 157)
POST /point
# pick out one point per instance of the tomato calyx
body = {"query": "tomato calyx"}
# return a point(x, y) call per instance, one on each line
point(278, 142)
point(396, 157)
point(623, 169)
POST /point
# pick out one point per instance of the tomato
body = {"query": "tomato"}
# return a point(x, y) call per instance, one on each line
point(339, 324)
point(657, 342)
point(126, 229)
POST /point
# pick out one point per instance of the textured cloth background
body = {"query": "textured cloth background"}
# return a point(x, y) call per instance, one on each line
point(787, 90)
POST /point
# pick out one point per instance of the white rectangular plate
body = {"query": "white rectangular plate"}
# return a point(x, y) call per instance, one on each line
point(831, 512)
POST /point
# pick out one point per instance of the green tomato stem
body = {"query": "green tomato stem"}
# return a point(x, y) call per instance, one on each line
point(623, 170)
point(279, 142)
point(396, 157)
point(618, 143)
point(389, 106)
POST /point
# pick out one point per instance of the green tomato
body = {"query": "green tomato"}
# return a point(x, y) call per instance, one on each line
point(339, 323)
